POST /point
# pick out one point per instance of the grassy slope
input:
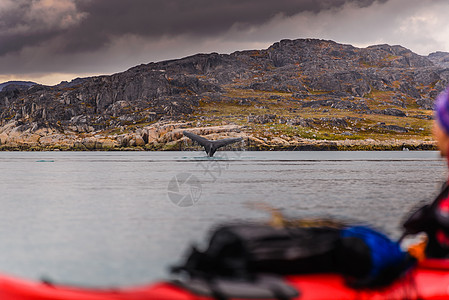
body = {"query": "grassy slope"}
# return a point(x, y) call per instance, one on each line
point(284, 106)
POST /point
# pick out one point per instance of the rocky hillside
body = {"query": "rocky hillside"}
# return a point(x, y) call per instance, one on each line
point(11, 85)
point(296, 92)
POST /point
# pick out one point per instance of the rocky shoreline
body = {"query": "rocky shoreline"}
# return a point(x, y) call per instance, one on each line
point(165, 136)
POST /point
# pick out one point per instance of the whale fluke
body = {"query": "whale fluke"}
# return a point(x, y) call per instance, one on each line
point(210, 146)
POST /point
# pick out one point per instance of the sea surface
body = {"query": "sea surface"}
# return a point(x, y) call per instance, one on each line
point(123, 218)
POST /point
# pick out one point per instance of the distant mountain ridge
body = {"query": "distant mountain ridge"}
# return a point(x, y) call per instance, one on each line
point(298, 71)
point(17, 84)
point(440, 59)
point(174, 87)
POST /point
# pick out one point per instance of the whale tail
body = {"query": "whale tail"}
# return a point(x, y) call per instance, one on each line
point(210, 146)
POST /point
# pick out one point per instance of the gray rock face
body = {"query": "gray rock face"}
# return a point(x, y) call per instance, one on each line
point(440, 59)
point(11, 85)
point(393, 128)
point(262, 119)
point(304, 67)
point(390, 112)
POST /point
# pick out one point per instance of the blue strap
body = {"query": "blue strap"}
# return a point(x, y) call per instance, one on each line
point(384, 252)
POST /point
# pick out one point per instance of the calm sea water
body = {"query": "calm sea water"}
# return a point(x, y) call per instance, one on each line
point(122, 218)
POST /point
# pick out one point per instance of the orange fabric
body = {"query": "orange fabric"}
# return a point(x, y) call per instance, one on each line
point(418, 250)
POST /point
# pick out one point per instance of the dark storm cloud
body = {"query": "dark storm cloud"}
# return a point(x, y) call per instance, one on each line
point(26, 23)
point(158, 17)
point(70, 26)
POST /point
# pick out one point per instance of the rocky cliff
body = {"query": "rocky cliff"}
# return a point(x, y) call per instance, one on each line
point(306, 90)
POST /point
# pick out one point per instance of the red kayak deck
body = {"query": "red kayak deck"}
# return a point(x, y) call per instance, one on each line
point(428, 280)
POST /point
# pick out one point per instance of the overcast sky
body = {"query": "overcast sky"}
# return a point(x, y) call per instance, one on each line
point(48, 41)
